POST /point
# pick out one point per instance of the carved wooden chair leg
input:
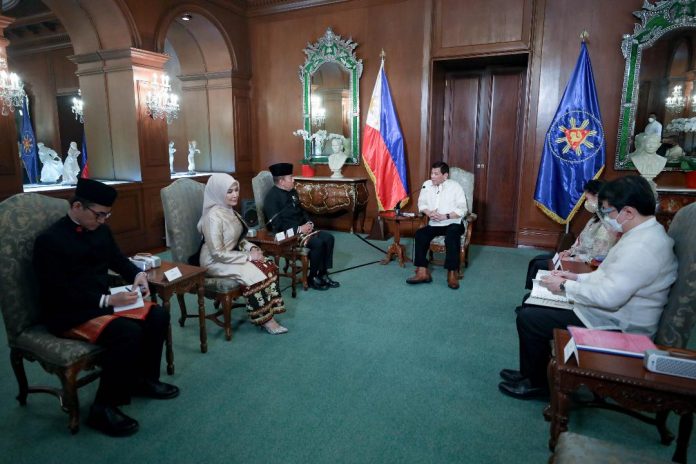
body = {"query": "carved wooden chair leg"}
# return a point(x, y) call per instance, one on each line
point(69, 400)
point(182, 308)
point(17, 361)
point(227, 316)
point(305, 269)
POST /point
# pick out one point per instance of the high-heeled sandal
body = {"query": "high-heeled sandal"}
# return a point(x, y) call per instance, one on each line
point(275, 331)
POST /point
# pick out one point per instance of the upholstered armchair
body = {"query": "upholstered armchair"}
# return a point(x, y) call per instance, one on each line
point(182, 202)
point(261, 185)
point(437, 245)
point(22, 218)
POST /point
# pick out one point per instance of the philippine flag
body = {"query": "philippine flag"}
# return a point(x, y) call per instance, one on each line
point(383, 147)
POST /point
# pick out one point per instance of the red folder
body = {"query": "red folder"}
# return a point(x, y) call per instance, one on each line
point(604, 341)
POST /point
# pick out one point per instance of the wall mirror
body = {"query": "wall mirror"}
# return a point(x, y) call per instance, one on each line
point(330, 80)
point(660, 78)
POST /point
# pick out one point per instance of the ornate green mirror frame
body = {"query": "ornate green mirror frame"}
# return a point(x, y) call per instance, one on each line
point(656, 20)
point(327, 60)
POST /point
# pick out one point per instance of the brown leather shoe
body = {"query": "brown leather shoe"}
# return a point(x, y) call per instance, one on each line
point(422, 276)
point(452, 280)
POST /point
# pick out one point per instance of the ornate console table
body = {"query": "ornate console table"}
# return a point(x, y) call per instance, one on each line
point(670, 200)
point(324, 195)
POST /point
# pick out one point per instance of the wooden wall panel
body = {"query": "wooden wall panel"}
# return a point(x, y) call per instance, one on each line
point(242, 130)
point(481, 26)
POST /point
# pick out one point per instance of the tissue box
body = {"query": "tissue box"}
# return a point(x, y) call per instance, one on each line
point(141, 264)
point(154, 261)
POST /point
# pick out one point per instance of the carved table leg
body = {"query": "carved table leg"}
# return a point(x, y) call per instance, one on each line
point(686, 423)
point(166, 296)
point(201, 317)
point(18, 367)
point(666, 436)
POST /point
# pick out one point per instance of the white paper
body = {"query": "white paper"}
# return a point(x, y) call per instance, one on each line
point(139, 303)
point(570, 350)
point(172, 274)
point(280, 236)
point(290, 233)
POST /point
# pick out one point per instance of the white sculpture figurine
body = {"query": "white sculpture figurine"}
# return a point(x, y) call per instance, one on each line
point(191, 154)
point(52, 164)
point(172, 150)
point(338, 157)
point(71, 168)
point(648, 163)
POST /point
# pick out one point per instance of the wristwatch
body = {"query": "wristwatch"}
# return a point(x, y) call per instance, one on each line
point(447, 216)
point(562, 286)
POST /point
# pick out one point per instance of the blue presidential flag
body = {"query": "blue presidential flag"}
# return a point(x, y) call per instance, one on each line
point(574, 150)
point(27, 144)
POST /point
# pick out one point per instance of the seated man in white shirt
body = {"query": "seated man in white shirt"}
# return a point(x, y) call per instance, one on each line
point(627, 292)
point(444, 202)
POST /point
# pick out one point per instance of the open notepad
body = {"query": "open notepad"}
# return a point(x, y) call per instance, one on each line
point(542, 296)
point(139, 303)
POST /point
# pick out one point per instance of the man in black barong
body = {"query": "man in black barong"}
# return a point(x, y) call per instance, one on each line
point(71, 260)
point(283, 211)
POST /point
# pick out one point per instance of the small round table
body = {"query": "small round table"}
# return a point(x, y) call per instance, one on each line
point(396, 249)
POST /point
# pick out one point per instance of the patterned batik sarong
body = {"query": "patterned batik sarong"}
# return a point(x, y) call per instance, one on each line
point(263, 298)
point(89, 331)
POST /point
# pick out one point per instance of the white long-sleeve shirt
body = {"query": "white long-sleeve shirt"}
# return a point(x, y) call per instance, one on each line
point(448, 197)
point(629, 289)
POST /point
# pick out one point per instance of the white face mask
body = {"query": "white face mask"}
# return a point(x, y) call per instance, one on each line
point(590, 206)
point(651, 119)
point(614, 223)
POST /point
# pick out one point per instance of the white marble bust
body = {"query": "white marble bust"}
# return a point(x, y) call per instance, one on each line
point(338, 156)
point(648, 163)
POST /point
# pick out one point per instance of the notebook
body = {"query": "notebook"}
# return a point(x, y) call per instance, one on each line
point(139, 303)
point(542, 296)
point(604, 341)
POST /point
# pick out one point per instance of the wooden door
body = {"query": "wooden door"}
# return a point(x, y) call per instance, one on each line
point(483, 114)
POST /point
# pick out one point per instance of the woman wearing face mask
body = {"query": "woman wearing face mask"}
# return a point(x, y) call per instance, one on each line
point(226, 254)
point(595, 239)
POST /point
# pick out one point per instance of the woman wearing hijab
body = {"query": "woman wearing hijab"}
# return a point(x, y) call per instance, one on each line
point(594, 241)
point(226, 254)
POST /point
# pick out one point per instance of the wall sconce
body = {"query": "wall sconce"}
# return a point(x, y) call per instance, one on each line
point(160, 102)
point(11, 89)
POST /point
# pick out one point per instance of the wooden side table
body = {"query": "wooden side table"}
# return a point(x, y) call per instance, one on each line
point(396, 249)
point(192, 278)
point(326, 195)
point(285, 248)
point(624, 380)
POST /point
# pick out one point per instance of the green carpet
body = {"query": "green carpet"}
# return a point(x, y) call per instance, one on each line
point(373, 372)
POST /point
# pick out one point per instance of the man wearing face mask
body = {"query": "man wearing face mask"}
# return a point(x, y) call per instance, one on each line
point(594, 241)
point(653, 127)
point(627, 292)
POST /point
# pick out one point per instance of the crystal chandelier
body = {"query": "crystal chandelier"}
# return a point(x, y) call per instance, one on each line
point(318, 111)
point(11, 89)
point(77, 107)
point(160, 102)
point(676, 102)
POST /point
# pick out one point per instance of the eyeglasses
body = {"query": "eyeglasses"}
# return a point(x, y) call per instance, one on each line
point(100, 214)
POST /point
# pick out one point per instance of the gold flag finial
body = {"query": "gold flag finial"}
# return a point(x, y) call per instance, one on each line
point(585, 36)
point(382, 56)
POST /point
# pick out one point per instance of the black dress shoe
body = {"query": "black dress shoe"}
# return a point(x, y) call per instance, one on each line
point(317, 284)
point(111, 421)
point(329, 282)
point(511, 375)
point(156, 389)
point(522, 390)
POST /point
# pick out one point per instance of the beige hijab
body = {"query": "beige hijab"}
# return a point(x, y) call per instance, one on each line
point(214, 196)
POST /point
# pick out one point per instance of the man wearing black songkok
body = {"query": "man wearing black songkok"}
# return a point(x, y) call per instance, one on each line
point(282, 210)
point(71, 260)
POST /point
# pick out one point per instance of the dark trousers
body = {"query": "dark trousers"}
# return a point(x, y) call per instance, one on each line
point(453, 235)
point(535, 326)
point(133, 353)
point(321, 247)
point(539, 262)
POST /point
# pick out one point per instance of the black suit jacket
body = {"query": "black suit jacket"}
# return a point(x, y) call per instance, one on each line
point(282, 209)
point(71, 265)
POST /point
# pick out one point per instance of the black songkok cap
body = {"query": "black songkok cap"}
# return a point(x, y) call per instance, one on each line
point(280, 169)
point(95, 192)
